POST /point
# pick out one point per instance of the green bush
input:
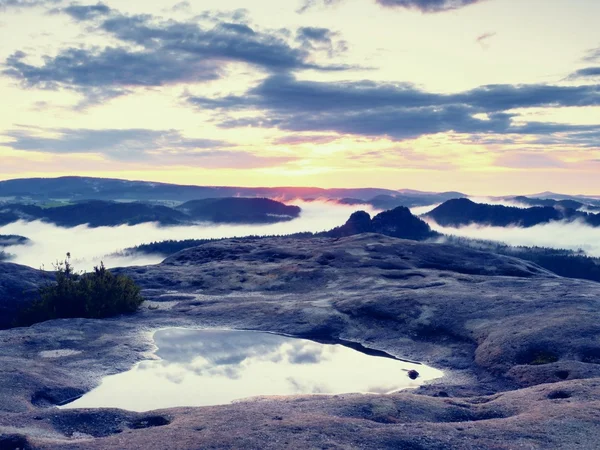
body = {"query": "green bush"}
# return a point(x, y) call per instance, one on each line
point(94, 295)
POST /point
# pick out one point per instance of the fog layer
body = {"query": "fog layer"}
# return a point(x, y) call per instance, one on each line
point(89, 246)
point(564, 235)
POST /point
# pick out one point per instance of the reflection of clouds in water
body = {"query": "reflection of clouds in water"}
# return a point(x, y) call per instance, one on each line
point(305, 354)
point(227, 354)
point(226, 348)
point(176, 378)
point(272, 357)
point(306, 387)
point(217, 347)
point(259, 364)
point(175, 373)
point(233, 372)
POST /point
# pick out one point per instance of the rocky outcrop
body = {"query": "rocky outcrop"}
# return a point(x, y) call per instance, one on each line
point(401, 223)
point(359, 222)
point(398, 222)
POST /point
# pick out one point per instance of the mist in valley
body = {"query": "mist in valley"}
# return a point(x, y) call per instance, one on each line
point(90, 246)
point(561, 235)
point(499, 202)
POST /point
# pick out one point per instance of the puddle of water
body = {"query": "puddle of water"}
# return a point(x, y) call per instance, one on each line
point(215, 367)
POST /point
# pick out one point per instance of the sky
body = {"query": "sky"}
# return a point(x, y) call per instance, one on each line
point(486, 97)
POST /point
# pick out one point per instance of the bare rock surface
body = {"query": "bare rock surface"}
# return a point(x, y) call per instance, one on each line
point(520, 348)
point(18, 285)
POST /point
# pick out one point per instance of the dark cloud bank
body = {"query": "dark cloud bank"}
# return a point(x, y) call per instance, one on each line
point(167, 52)
point(402, 111)
point(588, 72)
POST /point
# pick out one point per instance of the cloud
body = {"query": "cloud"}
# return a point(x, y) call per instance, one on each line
point(107, 73)
point(528, 160)
point(309, 4)
point(593, 55)
point(5, 4)
point(484, 38)
point(499, 201)
point(316, 39)
point(428, 6)
point(400, 111)
point(225, 41)
point(560, 235)
point(184, 6)
point(125, 144)
point(86, 12)
point(425, 6)
point(313, 34)
point(230, 159)
point(402, 158)
point(240, 15)
point(588, 72)
point(285, 92)
point(589, 139)
point(157, 53)
point(501, 97)
point(166, 147)
point(295, 138)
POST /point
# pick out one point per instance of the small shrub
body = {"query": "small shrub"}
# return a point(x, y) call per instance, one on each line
point(541, 358)
point(94, 295)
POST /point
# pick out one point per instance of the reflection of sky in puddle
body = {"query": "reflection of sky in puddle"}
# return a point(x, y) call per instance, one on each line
point(213, 367)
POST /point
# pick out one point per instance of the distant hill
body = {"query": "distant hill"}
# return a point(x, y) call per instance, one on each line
point(443, 196)
point(236, 210)
point(12, 239)
point(461, 212)
point(590, 199)
point(98, 213)
point(566, 203)
point(409, 199)
point(9, 241)
point(87, 188)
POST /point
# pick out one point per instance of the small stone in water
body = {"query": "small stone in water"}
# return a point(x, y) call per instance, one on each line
point(413, 374)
